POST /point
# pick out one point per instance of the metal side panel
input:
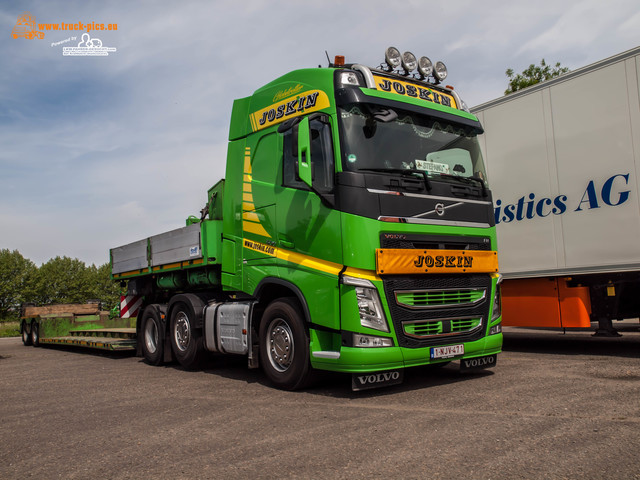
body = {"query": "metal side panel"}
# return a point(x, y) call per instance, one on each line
point(129, 257)
point(176, 246)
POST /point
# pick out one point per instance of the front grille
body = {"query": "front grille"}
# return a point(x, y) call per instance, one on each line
point(443, 326)
point(440, 298)
point(458, 320)
point(434, 242)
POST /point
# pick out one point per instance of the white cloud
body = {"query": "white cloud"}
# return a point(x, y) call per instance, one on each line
point(580, 26)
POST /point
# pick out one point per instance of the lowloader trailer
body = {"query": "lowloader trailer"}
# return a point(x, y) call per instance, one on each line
point(79, 325)
point(353, 232)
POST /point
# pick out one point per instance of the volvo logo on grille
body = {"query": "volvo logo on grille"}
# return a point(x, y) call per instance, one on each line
point(439, 209)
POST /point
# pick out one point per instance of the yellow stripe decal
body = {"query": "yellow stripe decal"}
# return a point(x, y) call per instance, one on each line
point(364, 274)
point(256, 228)
point(251, 220)
point(309, 262)
point(251, 216)
point(170, 265)
point(186, 263)
point(298, 258)
point(299, 103)
point(128, 274)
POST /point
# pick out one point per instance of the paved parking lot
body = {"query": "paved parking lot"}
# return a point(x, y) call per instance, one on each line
point(556, 406)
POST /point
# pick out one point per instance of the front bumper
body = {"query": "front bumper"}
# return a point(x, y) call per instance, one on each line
point(357, 360)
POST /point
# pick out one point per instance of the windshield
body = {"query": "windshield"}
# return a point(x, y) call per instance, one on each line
point(389, 140)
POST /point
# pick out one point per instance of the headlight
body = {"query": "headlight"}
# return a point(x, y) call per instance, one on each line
point(350, 78)
point(496, 329)
point(392, 57)
point(370, 341)
point(497, 301)
point(409, 62)
point(369, 305)
point(425, 67)
point(440, 71)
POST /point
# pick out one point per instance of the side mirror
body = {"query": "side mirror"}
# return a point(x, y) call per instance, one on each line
point(304, 151)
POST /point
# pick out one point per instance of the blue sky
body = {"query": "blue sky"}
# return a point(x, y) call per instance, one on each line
point(96, 152)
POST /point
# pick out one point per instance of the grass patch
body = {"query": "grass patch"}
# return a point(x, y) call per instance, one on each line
point(9, 329)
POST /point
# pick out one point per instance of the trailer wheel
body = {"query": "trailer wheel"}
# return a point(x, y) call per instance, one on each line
point(284, 345)
point(152, 337)
point(26, 336)
point(35, 334)
point(186, 340)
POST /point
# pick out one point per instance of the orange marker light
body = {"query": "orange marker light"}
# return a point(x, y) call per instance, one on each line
point(339, 61)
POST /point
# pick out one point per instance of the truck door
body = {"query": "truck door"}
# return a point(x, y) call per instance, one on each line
point(308, 228)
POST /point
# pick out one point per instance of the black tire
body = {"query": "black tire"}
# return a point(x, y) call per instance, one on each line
point(152, 337)
point(35, 334)
point(284, 345)
point(26, 335)
point(186, 340)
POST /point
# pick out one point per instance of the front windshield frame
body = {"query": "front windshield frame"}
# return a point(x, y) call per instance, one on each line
point(406, 140)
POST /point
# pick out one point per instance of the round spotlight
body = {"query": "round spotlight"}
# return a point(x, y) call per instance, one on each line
point(440, 71)
point(425, 67)
point(409, 62)
point(392, 57)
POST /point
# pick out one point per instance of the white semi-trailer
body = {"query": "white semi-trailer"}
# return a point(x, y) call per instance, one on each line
point(564, 163)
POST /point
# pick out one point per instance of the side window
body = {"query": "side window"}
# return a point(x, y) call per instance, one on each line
point(322, 162)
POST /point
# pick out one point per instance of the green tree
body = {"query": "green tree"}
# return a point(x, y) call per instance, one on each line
point(63, 280)
point(103, 288)
point(17, 277)
point(532, 75)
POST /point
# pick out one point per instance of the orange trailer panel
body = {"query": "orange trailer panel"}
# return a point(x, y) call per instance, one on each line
point(545, 302)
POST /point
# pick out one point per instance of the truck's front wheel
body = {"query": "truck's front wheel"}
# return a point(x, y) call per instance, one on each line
point(186, 340)
point(284, 345)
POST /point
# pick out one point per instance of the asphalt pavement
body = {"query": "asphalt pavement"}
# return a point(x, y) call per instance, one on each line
point(556, 406)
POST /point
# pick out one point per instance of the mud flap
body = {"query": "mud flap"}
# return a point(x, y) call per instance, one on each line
point(478, 363)
point(365, 381)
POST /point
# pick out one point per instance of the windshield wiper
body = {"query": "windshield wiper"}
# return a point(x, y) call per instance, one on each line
point(467, 180)
point(401, 171)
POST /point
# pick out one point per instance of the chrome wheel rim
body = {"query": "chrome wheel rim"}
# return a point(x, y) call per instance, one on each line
point(280, 345)
point(182, 331)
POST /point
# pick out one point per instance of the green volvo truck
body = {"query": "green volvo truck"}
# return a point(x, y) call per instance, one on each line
point(353, 232)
